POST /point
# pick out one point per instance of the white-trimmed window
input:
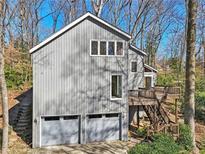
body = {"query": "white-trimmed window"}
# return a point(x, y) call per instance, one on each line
point(94, 47)
point(106, 48)
point(103, 47)
point(116, 86)
point(134, 66)
point(111, 48)
point(119, 50)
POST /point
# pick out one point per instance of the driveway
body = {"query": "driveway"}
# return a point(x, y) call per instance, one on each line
point(117, 147)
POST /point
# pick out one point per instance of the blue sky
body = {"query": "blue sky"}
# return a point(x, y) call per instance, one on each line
point(47, 24)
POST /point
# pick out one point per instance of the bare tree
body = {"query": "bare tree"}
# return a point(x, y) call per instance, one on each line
point(98, 6)
point(3, 88)
point(189, 110)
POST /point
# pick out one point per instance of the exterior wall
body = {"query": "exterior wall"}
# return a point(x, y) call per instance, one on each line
point(67, 80)
point(135, 79)
point(153, 75)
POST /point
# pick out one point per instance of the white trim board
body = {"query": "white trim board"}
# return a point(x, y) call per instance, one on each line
point(137, 49)
point(55, 35)
point(150, 67)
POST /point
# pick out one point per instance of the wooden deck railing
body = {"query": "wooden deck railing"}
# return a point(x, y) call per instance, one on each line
point(173, 129)
point(169, 90)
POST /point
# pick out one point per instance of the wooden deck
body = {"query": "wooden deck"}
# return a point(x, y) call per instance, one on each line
point(156, 104)
point(154, 95)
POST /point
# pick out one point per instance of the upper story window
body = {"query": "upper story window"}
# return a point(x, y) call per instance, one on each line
point(94, 47)
point(119, 48)
point(103, 46)
point(134, 66)
point(106, 48)
point(111, 48)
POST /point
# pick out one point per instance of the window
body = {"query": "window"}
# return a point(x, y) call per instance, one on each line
point(148, 82)
point(102, 47)
point(116, 86)
point(111, 48)
point(133, 66)
point(119, 48)
point(51, 118)
point(106, 48)
point(111, 115)
point(94, 47)
point(92, 116)
point(70, 117)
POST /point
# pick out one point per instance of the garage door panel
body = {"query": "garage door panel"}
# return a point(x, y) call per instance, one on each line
point(60, 131)
point(70, 129)
point(94, 126)
point(111, 128)
point(103, 129)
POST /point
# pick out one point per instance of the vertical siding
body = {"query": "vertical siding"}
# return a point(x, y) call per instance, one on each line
point(135, 79)
point(67, 80)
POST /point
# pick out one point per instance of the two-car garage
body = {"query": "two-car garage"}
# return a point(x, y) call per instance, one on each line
point(57, 130)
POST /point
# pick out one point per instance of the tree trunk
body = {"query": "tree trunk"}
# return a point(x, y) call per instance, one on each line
point(3, 88)
point(203, 44)
point(189, 110)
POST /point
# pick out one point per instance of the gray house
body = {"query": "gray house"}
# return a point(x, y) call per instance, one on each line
point(81, 79)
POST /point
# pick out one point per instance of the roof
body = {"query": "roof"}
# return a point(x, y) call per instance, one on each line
point(150, 67)
point(72, 24)
point(137, 50)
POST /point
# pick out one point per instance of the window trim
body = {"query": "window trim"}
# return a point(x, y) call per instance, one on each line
point(99, 48)
point(152, 79)
point(107, 45)
point(111, 98)
point(91, 47)
point(131, 66)
point(123, 44)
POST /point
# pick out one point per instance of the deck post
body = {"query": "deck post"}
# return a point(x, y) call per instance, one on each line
point(155, 117)
point(176, 111)
point(138, 116)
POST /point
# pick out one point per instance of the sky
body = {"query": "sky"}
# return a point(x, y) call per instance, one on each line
point(47, 24)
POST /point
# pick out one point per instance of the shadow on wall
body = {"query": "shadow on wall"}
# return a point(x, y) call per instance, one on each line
point(20, 116)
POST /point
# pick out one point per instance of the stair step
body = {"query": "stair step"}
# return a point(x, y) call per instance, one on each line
point(22, 130)
point(26, 117)
point(24, 111)
point(22, 124)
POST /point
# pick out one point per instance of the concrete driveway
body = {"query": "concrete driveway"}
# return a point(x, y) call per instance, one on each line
point(117, 147)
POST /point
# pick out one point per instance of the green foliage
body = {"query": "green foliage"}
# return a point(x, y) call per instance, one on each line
point(165, 80)
point(16, 76)
point(175, 64)
point(200, 106)
point(162, 144)
point(143, 148)
point(165, 144)
point(202, 152)
point(200, 84)
point(141, 132)
point(185, 139)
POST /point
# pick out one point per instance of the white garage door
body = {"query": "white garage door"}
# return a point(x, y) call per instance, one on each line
point(103, 127)
point(60, 130)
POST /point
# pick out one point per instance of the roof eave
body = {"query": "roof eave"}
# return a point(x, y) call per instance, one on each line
point(55, 35)
point(138, 50)
point(150, 67)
